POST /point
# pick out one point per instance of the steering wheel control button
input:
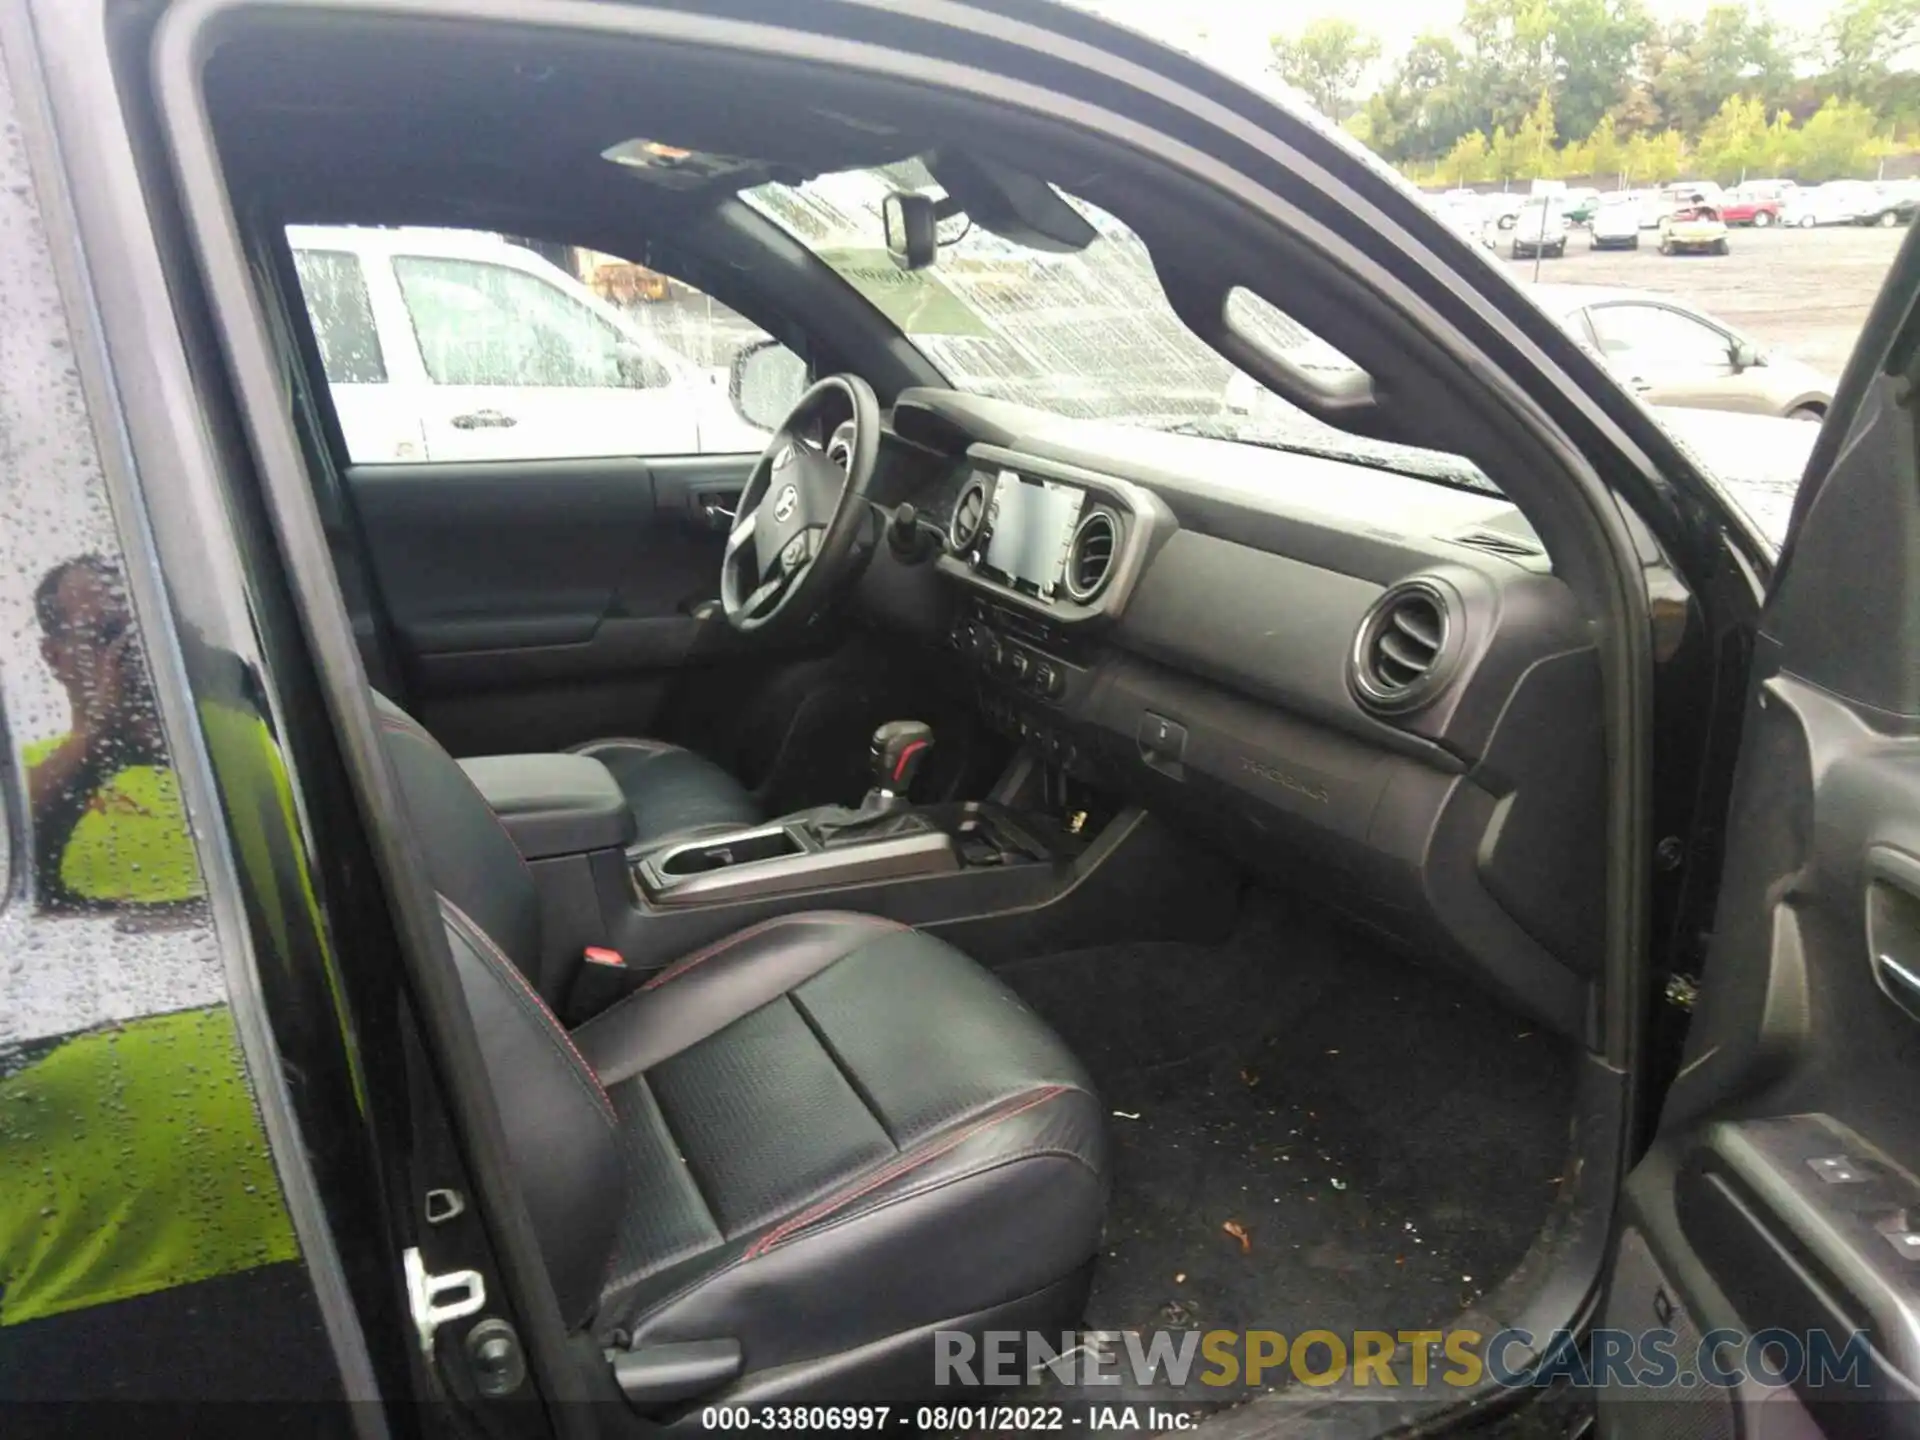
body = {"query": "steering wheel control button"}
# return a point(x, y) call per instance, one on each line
point(795, 552)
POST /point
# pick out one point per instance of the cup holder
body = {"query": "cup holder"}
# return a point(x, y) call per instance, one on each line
point(725, 850)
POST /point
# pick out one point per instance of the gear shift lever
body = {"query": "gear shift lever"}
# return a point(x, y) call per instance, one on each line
point(899, 749)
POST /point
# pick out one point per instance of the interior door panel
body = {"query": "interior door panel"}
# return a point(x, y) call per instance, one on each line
point(1780, 1193)
point(536, 604)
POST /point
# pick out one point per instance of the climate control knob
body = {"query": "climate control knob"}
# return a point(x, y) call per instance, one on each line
point(1019, 666)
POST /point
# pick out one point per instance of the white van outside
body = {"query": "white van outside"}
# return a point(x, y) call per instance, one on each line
point(457, 345)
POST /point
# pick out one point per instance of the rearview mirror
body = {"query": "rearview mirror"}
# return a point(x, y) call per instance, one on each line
point(765, 382)
point(910, 222)
point(1745, 357)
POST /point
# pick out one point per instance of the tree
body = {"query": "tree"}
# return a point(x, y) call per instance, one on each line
point(1780, 152)
point(1422, 109)
point(1735, 52)
point(1325, 63)
point(1604, 155)
point(1575, 160)
point(1467, 161)
point(1734, 142)
point(1667, 155)
point(1595, 45)
point(1654, 159)
point(1837, 141)
point(1503, 158)
point(1510, 58)
point(1533, 154)
point(1863, 40)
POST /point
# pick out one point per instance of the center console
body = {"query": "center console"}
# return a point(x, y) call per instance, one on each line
point(612, 914)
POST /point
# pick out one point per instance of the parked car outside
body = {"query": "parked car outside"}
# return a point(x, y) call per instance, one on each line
point(1539, 229)
point(1673, 354)
point(1503, 209)
point(1465, 212)
point(1743, 206)
point(1651, 208)
point(1682, 192)
point(1894, 203)
point(454, 345)
point(1616, 223)
point(1694, 227)
point(1838, 202)
point(1580, 203)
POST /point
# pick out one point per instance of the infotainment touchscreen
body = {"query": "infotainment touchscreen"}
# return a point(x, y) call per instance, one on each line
point(1032, 521)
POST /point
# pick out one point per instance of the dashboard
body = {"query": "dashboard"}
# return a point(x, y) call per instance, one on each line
point(1365, 685)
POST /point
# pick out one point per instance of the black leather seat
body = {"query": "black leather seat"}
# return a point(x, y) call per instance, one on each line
point(671, 789)
point(823, 1137)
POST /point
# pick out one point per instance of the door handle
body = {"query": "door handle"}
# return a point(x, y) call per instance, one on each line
point(484, 420)
point(1893, 925)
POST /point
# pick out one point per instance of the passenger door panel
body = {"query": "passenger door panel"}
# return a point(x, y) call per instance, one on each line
point(1780, 1191)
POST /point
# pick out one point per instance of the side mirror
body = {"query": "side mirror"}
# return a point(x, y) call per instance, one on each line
point(765, 382)
point(1745, 357)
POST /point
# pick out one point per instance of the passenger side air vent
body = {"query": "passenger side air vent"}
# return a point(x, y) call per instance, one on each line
point(1090, 554)
point(969, 516)
point(1406, 647)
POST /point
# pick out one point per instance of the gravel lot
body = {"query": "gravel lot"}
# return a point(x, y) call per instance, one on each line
point(1805, 291)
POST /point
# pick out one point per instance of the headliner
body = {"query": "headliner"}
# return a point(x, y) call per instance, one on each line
point(409, 122)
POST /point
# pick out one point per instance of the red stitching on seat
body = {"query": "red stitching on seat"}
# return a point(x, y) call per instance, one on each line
point(472, 927)
point(903, 1166)
point(726, 943)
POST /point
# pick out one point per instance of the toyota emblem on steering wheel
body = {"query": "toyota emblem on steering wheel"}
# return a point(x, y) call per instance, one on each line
point(784, 507)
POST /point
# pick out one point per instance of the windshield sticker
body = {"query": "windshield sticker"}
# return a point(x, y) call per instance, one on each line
point(918, 301)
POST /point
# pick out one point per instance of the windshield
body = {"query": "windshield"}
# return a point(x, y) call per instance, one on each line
point(1088, 335)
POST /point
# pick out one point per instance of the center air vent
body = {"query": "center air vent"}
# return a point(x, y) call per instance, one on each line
point(1090, 554)
point(1405, 648)
point(968, 517)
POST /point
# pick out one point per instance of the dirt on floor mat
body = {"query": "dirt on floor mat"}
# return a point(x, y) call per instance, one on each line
point(1309, 1133)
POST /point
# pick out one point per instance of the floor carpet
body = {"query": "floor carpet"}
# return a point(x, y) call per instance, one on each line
point(1309, 1132)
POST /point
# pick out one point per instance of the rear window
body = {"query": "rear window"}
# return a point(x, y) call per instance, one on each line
point(336, 295)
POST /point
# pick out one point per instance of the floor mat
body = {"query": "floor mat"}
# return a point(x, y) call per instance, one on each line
point(1309, 1132)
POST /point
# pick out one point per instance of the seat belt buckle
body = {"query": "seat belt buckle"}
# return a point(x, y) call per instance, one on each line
point(601, 978)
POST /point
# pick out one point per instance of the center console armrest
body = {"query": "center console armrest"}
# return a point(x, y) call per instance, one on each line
point(554, 804)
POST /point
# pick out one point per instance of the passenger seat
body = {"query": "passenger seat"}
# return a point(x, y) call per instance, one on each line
point(801, 1150)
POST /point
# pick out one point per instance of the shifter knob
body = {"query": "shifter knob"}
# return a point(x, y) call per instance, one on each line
point(899, 748)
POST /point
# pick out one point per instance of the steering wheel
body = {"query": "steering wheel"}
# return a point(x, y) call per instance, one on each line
point(791, 549)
